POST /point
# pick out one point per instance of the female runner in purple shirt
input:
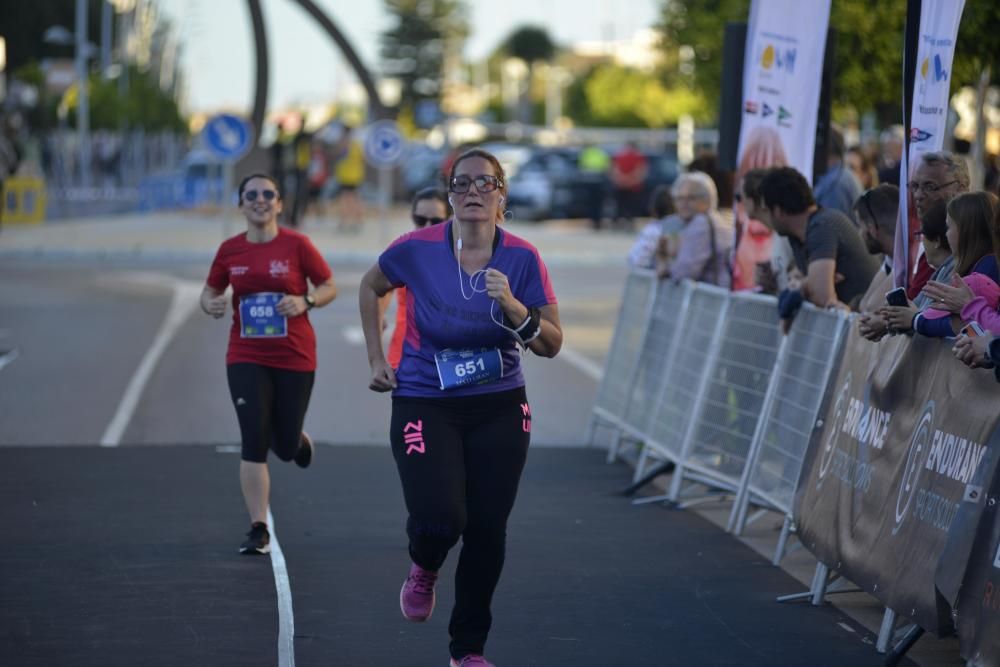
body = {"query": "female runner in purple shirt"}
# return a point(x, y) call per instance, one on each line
point(461, 422)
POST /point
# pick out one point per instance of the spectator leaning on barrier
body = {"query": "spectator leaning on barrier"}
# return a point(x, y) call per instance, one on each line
point(827, 247)
point(658, 236)
point(971, 234)
point(877, 210)
point(706, 241)
point(939, 177)
point(937, 251)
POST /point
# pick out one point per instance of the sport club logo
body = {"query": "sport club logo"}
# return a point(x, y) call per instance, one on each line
point(916, 461)
point(751, 107)
point(783, 59)
point(784, 116)
point(833, 430)
point(280, 268)
point(917, 135)
point(767, 111)
point(936, 74)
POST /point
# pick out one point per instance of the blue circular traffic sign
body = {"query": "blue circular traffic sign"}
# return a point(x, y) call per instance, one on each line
point(227, 136)
point(384, 144)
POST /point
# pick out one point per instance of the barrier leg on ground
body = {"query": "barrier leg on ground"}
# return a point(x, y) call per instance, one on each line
point(885, 631)
point(779, 550)
point(910, 637)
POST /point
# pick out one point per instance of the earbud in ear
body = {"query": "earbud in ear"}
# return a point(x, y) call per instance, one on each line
point(501, 199)
point(451, 201)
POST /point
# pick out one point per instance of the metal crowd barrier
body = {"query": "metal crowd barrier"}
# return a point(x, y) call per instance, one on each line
point(795, 395)
point(704, 379)
point(623, 356)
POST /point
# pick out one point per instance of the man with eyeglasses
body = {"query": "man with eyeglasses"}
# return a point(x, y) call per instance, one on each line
point(940, 176)
point(430, 207)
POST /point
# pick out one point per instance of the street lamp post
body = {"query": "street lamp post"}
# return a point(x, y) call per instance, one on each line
point(83, 98)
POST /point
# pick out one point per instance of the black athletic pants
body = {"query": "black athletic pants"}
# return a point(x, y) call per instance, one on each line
point(460, 462)
point(271, 407)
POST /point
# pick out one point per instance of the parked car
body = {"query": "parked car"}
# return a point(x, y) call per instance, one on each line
point(550, 185)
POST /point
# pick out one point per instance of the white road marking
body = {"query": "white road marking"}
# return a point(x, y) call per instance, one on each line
point(286, 621)
point(183, 303)
point(581, 363)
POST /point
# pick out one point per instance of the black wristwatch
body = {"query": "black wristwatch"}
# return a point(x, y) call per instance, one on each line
point(310, 301)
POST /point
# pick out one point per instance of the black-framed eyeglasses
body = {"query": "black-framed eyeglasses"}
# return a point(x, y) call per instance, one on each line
point(268, 195)
point(484, 183)
point(929, 187)
point(423, 220)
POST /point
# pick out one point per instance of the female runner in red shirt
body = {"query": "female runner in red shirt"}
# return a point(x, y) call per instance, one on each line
point(271, 360)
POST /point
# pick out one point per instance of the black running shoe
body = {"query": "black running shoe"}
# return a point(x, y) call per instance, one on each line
point(258, 540)
point(304, 456)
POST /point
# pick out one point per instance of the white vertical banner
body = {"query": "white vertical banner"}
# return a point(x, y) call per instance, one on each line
point(782, 77)
point(939, 21)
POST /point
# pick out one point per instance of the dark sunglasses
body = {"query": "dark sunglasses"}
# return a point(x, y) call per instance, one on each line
point(268, 195)
point(423, 221)
point(460, 184)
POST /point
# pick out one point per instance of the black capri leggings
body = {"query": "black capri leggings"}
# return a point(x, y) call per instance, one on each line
point(271, 407)
point(460, 462)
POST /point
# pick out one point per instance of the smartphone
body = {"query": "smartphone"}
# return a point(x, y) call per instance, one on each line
point(972, 329)
point(897, 297)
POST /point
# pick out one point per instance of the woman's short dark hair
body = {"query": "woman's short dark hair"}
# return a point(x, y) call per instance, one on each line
point(661, 202)
point(787, 188)
point(934, 224)
point(974, 213)
point(432, 193)
point(268, 177)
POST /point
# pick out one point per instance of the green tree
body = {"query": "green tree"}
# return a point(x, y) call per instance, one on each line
point(531, 44)
point(145, 105)
point(415, 48)
point(868, 57)
point(616, 96)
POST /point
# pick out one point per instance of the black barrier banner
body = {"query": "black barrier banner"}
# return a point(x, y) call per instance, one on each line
point(901, 448)
point(975, 539)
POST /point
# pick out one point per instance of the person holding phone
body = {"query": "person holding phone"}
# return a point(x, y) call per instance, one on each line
point(971, 234)
point(271, 359)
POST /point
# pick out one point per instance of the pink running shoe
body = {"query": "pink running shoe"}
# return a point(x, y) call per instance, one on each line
point(416, 599)
point(472, 661)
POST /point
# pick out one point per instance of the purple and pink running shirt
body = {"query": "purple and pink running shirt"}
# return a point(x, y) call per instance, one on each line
point(439, 317)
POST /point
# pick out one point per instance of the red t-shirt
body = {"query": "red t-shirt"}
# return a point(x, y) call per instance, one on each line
point(280, 265)
point(629, 164)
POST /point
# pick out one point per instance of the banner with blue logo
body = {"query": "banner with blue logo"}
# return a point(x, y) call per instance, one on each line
point(782, 80)
point(782, 77)
point(928, 115)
